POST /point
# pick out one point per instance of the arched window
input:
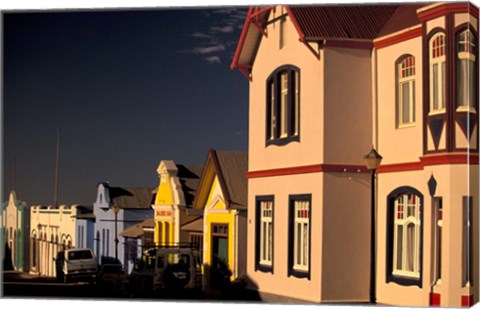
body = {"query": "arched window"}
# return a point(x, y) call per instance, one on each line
point(437, 73)
point(283, 106)
point(465, 70)
point(404, 236)
point(406, 90)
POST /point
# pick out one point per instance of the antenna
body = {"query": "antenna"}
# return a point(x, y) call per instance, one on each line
point(57, 164)
point(15, 175)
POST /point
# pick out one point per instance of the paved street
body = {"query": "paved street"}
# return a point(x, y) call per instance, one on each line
point(23, 285)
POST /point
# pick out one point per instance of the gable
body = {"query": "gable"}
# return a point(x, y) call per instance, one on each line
point(164, 192)
point(216, 199)
point(314, 26)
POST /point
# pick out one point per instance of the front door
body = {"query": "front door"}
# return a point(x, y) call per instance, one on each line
point(220, 271)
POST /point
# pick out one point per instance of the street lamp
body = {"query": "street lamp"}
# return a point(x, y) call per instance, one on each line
point(372, 160)
point(115, 210)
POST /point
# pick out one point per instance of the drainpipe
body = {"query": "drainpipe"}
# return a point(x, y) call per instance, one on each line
point(235, 245)
point(432, 187)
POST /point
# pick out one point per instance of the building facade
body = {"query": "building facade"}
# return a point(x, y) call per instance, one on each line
point(15, 229)
point(327, 83)
point(222, 198)
point(116, 209)
point(426, 68)
point(173, 203)
point(51, 230)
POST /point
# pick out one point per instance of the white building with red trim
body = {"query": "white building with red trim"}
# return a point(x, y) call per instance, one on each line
point(327, 83)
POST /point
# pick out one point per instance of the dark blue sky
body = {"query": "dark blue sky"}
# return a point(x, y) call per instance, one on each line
point(127, 88)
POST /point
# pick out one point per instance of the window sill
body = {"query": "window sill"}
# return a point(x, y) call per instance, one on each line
point(403, 280)
point(406, 125)
point(264, 268)
point(464, 108)
point(437, 112)
point(283, 140)
point(299, 274)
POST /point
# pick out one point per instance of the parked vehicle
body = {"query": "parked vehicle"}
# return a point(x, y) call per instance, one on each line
point(177, 267)
point(76, 265)
point(111, 276)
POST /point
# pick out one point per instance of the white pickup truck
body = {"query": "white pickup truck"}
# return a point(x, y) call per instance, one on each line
point(76, 265)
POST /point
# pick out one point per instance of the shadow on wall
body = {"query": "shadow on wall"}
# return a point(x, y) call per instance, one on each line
point(218, 284)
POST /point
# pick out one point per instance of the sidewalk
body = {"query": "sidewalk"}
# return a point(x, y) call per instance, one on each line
point(18, 276)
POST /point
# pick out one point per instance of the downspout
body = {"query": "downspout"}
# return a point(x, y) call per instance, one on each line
point(433, 247)
point(235, 244)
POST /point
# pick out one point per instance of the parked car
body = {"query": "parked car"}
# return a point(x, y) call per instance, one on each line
point(111, 276)
point(76, 265)
point(177, 267)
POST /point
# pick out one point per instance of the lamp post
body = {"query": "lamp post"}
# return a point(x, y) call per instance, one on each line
point(115, 210)
point(372, 160)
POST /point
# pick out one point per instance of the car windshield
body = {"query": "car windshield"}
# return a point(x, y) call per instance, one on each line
point(80, 255)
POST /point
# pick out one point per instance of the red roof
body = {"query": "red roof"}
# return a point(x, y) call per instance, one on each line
point(341, 21)
point(321, 22)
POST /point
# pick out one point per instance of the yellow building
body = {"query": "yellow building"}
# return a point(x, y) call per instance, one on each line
point(222, 195)
point(173, 201)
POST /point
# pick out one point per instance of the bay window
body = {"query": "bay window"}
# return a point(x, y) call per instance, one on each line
point(437, 73)
point(466, 60)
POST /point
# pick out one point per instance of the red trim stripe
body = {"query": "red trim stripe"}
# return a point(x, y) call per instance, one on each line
point(401, 37)
point(400, 167)
point(387, 168)
point(448, 8)
point(428, 161)
point(306, 169)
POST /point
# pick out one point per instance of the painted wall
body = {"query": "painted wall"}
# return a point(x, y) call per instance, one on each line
point(452, 185)
point(335, 128)
point(15, 228)
point(279, 282)
point(310, 149)
point(404, 144)
point(51, 230)
point(454, 181)
point(216, 212)
point(104, 229)
point(347, 114)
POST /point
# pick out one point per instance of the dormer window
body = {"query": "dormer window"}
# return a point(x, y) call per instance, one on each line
point(466, 71)
point(437, 74)
point(283, 106)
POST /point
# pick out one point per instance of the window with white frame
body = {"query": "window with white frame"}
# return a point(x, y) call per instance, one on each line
point(406, 91)
point(465, 70)
point(283, 106)
point(406, 236)
point(264, 233)
point(437, 73)
point(299, 235)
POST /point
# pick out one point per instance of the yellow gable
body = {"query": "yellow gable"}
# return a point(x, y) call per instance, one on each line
point(164, 193)
point(215, 197)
